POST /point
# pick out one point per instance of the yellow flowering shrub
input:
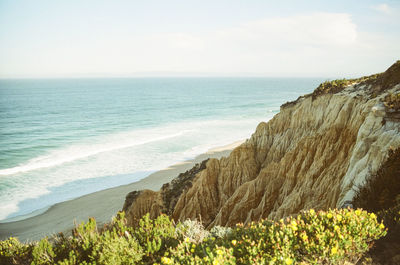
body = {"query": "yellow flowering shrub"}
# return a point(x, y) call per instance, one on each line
point(14, 252)
point(323, 237)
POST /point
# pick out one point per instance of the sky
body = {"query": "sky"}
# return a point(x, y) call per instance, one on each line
point(287, 38)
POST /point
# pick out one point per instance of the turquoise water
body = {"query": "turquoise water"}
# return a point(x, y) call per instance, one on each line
point(63, 138)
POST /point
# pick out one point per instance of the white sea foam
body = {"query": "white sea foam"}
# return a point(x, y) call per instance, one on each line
point(79, 152)
point(102, 125)
point(112, 160)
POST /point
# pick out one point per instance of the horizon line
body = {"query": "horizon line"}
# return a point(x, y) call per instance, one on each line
point(166, 77)
point(157, 74)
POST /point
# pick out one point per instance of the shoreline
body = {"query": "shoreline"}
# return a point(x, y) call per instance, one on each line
point(102, 205)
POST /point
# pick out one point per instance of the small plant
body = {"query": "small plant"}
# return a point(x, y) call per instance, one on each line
point(220, 231)
point(392, 101)
point(191, 230)
point(374, 85)
point(332, 87)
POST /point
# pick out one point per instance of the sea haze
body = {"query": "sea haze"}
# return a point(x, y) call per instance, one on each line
point(63, 138)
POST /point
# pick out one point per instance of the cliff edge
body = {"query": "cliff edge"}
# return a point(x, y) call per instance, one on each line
point(313, 154)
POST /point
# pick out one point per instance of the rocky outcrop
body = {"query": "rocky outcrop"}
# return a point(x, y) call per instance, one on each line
point(164, 201)
point(310, 155)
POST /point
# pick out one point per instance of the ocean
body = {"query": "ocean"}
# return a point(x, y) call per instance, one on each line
point(64, 138)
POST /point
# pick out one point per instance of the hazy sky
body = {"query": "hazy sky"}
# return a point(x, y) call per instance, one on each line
point(189, 38)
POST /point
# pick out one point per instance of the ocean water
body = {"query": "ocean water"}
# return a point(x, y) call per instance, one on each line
point(63, 138)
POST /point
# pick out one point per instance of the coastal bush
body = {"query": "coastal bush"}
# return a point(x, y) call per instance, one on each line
point(392, 101)
point(324, 237)
point(220, 231)
point(374, 85)
point(381, 82)
point(381, 194)
point(43, 253)
point(14, 252)
point(329, 237)
point(381, 191)
point(154, 236)
point(333, 86)
point(204, 253)
point(327, 87)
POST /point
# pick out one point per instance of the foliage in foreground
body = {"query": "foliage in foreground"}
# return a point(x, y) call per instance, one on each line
point(324, 237)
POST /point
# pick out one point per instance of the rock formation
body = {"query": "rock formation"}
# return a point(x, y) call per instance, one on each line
point(312, 154)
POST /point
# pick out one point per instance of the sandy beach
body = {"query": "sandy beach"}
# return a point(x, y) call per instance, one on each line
point(102, 205)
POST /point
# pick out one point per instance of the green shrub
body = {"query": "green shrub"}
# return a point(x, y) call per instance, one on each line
point(220, 231)
point(114, 249)
point(43, 253)
point(113, 245)
point(315, 238)
point(325, 237)
point(381, 192)
point(392, 101)
point(154, 235)
point(191, 253)
point(333, 86)
point(14, 252)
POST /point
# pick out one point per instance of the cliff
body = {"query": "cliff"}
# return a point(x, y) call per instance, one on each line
point(313, 154)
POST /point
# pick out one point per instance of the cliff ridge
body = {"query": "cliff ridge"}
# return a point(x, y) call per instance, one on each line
point(312, 154)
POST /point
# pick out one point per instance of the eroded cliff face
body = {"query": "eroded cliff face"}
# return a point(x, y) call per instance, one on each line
point(313, 154)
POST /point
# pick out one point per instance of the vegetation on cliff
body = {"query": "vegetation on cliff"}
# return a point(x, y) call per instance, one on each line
point(170, 192)
point(376, 84)
point(381, 194)
point(324, 237)
point(392, 101)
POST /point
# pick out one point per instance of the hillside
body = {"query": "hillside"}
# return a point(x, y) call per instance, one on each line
point(315, 154)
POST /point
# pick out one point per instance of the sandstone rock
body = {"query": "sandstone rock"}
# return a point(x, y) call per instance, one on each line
point(310, 155)
point(164, 201)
